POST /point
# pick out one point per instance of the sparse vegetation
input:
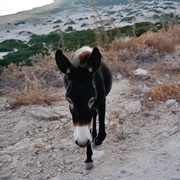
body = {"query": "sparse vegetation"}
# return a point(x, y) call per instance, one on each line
point(121, 54)
point(35, 84)
point(165, 91)
point(121, 135)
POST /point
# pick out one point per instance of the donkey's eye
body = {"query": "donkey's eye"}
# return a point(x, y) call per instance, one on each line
point(91, 102)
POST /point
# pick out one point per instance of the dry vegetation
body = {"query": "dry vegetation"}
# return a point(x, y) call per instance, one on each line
point(165, 91)
point(149, 51)
point(34, 84)
point(39, 83)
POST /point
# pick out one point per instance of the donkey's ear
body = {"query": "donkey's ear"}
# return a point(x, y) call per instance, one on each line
point(94, 60)
point(62, 62)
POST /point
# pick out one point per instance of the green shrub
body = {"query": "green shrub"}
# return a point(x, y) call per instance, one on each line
point(11, 44)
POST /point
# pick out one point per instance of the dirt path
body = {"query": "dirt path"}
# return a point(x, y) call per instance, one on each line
point(142, 146)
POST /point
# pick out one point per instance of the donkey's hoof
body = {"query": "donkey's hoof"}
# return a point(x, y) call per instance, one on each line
point(89, 166)
point(97, 141)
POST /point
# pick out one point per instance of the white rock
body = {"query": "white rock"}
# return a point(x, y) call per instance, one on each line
point(98, 154)
point(171, 103)
point(141, 72)
point(43, 113)
point(119, 76)
point(133, 107)
point(143, 88)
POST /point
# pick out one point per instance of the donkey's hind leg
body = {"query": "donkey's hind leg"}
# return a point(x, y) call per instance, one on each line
point(89, 161)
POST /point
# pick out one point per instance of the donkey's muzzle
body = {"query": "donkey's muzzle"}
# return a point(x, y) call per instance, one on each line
point(82, 135)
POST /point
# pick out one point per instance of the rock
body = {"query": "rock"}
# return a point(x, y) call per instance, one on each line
point(44, 113)
point(6, 158)
point(98, 154)
point(171, 103)
point(143, 88)
point(123, 172)
point(133, 107)
point(3, 103)
point(140, 72)
point(145, 57)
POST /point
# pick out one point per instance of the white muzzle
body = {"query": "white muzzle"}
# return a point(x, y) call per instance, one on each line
point(82, 135)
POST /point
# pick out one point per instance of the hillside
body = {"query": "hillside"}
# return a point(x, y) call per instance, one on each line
point(37, 140)
point(142, 117)
point(61, 26)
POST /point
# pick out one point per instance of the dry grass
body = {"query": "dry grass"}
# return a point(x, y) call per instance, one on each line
point(121, 56)
point(123, 53)
point(165, 91)
point(37, 84)
point(34, 93)
point(161, 42)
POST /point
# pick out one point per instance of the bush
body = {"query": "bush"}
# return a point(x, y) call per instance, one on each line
point(36, 84)
point(22, 54)
point(34, 93)
point(165, 91)
point(11, 44)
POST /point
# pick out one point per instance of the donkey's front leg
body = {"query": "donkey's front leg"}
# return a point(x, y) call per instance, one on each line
point(94, 132)
point(89, 161)
point(102, 133)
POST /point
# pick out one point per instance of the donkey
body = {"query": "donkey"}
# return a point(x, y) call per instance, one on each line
point(88, 80)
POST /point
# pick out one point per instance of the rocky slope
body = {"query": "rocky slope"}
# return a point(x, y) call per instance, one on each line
point(36, 142)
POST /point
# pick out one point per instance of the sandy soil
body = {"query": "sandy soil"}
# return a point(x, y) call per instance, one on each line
point(139, 146)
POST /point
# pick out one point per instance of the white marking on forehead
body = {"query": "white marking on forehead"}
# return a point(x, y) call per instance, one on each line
point(76, 55)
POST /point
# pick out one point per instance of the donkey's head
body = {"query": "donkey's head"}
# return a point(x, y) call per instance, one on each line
point(81, 91)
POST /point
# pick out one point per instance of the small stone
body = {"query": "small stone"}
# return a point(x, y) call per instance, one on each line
point(123, 172)
point(98, 154)
point(145, 89)
point(51, 137)
point(39, 165)
point(141, 72)
point(45, 130)
point(57, 126)
point(37, 145)
point(133, 107)
point(44, 113)
point(119, 76)
point(36, 151)
point(171, 103)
